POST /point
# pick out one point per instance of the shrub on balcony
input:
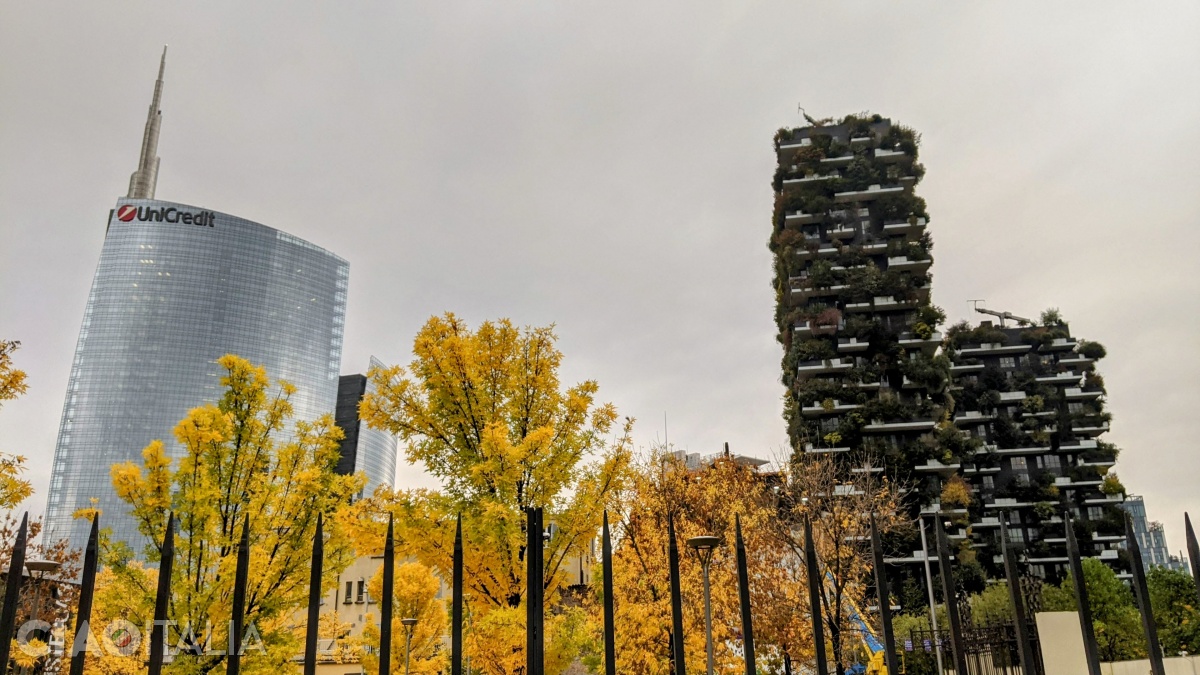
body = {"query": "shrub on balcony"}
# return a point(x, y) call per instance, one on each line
point(1091, 350)
point(1112, 485)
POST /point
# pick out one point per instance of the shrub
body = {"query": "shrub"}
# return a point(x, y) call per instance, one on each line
point(1092, 350)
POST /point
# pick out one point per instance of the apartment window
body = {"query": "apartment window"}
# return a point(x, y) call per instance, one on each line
point(829, 424)
point(989, 483)
point(349, 592)
point(1075, 407)
point(1008, 362)
point(1017, 535)
point(1019, 464)
point(1095, 512)
point(1052, 461)
point(362, 592)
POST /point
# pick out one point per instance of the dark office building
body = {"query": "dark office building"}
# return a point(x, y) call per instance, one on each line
point(371, 451)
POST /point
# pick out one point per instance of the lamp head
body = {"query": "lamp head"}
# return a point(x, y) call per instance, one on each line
point(42, 566)
point(408, 622)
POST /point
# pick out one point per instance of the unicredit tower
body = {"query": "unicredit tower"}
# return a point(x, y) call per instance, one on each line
point(178, 287)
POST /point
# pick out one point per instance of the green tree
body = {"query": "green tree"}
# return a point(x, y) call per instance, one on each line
point(1115, 618)
point(236, 464)
point(1173, 599)
point(484, 411)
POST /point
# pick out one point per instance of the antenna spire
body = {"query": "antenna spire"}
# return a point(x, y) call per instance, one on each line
point(145, 179)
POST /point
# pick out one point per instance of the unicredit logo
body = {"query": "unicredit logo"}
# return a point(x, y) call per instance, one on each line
point(165, 214)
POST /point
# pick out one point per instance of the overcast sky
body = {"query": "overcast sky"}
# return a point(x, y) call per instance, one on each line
point(606, 166)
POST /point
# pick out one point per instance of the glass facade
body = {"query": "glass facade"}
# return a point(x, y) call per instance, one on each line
point(366, 450)
point(177, 287)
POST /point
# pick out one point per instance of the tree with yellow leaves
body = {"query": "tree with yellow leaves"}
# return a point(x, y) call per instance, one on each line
point(484, 411)
point(235, 465)
point(415, 596)
point(839, 500)
point(702, 502)
point(13, 488)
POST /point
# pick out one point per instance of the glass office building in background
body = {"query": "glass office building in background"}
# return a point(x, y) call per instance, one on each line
point(177, 287)
point(363, 449)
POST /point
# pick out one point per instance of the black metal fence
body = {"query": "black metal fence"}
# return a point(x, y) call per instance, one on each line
point(989, 650)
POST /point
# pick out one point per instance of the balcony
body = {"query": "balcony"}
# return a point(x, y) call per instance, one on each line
point(964, 368)
point(843, 232)
point(808, 448)
point(1107, 538)
point(858, 307)
point(1090, 431)
point(891, 427)
point(910, 341)
point(871, 193)
point(800, 218)
point(1075, 360)
point(837, 408)
point(862, 141)
point(796, 144)
point(837, 161)
point(809, 180)
point(911, 226)
point(874, 247)
point(903, 263)
point(1078, 446)
point(1025, 451)
point(1098, 463)
point(935, 466)
point(808, 329)
point(1059, 345)
point(1108, 554)
point(1082, 393)
point(885, 155)
point(888, 303)
point(972, 470)
point(973, 417)
point(1106, 499)
point(987, 521)
point(1060, 378)
point(1006, 503)
point(852, 345)
point(803, 290)
point(810, 368)
point(992, 349)
point(1012, 396)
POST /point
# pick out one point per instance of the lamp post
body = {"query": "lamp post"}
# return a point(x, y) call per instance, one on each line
point(705, 546)
point(38, 569)
point(409, 625)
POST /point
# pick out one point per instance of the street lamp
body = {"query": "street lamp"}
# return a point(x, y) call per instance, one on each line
point(409, 625)
point(705, 546)
point(38, 569)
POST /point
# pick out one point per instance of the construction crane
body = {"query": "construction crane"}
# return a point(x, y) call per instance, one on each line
point(1021, 321)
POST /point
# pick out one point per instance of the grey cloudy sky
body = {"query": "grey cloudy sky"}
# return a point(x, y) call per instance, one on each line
point(606, 166)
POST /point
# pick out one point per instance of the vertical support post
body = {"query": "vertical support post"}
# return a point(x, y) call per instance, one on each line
point(162, 600)
point(932, 601)
point(610, 646)
point(814, 597)
point(1149, 626)
point(237, 622)
point(885, 599)
point(1020, 619)
point(1193, 554)
point(951, 598)
point(314, 598)
point(385, 603)
point(12, 591)
point(87, 588)
point(677, 655)
point(456, 631)
point(1090, 650)
point(744, 596)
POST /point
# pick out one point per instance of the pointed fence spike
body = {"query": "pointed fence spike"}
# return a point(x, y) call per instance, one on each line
point(610, 647)
point(456, 634)
point(744, 596)
point(385, 603)
point(162, 600)
point(237, 622)
point(677, 653)
point(1020, 619)
point(87, 588)
point(1193, 554)
point(885, 601)
point(1083, 604)
point(1142, 592)
point(317, 565)
point(813, 572)
point(12, 591)
point(950, 596)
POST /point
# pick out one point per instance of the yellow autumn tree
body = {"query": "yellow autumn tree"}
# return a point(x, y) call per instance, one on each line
point(415, 594)
point(244, 456)
point(702, 501)
point(484, 412)
point(13, 488)
point(838, 498)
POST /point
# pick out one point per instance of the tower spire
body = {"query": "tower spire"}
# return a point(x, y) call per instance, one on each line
point(144, 180)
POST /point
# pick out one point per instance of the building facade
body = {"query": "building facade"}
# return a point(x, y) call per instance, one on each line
point(1152, 538)
point(176, 288)
point(852, 279)
point(371, 451)
point(1031, 398)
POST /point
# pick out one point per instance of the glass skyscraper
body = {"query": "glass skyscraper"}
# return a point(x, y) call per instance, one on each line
point(177, 287)
point(364, 449)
